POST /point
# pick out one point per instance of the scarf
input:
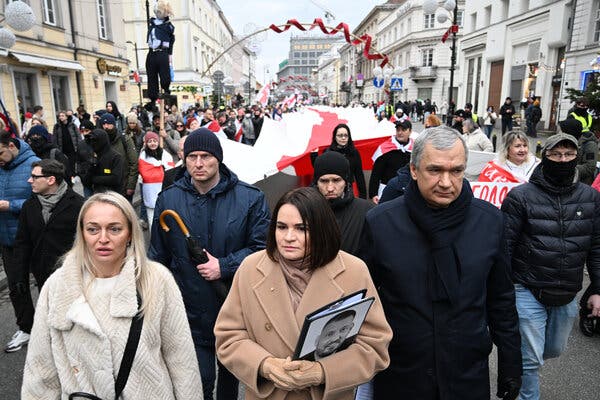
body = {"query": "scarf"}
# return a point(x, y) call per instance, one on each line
point(49, 201)
point(442, 227)
point(297, 275)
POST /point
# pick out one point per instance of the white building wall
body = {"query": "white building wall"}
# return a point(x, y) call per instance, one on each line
point(582, 50)
point(510, 30)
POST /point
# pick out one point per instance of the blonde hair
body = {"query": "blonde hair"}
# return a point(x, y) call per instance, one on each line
point(165, 8)
point(40, 120)
point(508, 140)
point(80, 254)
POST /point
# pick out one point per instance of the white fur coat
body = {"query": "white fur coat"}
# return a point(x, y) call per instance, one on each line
point(69, 351)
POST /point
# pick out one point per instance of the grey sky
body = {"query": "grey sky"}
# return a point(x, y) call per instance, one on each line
point(262, 13)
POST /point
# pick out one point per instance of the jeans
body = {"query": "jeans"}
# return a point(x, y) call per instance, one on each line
point(488, 130)
point(544, 333)
point(227, 384)
point(507, 124)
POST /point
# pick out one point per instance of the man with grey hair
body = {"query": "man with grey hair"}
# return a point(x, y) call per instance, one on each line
point(440, 262)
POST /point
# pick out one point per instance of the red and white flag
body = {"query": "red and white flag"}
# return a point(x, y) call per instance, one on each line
point(263, 96)
point(392, 144)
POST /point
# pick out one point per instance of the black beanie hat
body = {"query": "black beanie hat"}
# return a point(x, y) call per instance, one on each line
point(203, 140)
point(39, 130)
point(572, 127)
point(332, 162)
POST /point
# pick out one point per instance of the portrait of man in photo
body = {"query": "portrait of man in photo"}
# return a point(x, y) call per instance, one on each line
point(334, 335)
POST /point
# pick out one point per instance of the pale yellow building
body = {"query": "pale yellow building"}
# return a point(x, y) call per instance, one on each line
point(75, 54)
point(202, 34)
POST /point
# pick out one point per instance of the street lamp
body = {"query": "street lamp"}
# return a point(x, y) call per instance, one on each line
point(442, 14)
point(137, 68)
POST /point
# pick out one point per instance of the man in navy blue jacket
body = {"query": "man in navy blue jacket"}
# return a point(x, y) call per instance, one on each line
point(225, 216)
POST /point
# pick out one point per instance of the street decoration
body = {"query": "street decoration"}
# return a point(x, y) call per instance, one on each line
point(341, 27)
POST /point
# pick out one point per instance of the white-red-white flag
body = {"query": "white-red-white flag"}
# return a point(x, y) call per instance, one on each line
point(263, 96)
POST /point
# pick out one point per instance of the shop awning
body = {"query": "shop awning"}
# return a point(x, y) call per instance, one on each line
point(47, 62)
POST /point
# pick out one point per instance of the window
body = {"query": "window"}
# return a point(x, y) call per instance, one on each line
point(49, 7)
point(487, 16)
point(597, 23)
point(102, 19)
point(474, 21)
point(427, 57)
point(60, 92)
point(460, 17)
point(429, 18)
point(26, 88)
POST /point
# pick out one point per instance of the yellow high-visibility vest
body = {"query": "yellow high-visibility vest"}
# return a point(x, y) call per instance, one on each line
point(586, 125)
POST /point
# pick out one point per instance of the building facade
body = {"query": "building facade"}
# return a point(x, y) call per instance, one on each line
point(582, 58)
point(326, 77)
point(295, 75)
point(412, 40)
point(514, 48)
point(202, 34)
point(74, 54)
point(356, 70)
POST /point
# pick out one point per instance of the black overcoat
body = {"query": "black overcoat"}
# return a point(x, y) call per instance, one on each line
point(442, 348)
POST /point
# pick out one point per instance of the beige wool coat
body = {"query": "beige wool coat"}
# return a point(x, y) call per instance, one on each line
point(70, 352)
point(257, 321)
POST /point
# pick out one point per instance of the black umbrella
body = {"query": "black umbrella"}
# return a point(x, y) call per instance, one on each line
point(195, 250)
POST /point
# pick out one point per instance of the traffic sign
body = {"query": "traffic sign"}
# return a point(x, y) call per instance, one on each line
point(396, 84)
point(378, 82)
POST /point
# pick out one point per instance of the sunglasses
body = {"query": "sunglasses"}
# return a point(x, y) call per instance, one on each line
point(179, 126)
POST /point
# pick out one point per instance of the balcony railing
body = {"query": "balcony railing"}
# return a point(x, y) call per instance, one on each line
point(423, 73)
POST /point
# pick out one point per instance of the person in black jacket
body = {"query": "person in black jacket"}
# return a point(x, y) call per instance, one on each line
point(160, 38)
point(553, 230)
point(387, 164)
point(440, 263)
point(39, 139)
point(106, 166)
point(66, 137)
point(332, 178)
point(506, 112)
point(47, 224)
point(341, 142)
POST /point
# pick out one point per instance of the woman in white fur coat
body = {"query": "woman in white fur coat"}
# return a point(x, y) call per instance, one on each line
point(85, 310)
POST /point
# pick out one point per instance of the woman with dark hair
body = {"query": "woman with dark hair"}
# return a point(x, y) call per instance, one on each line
point(341, 141)
point(112, 108)
point(301, 270)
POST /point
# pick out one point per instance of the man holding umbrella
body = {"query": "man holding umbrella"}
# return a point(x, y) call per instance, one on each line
point(226, 217)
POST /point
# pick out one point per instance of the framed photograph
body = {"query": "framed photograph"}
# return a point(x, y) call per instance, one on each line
point(333, 327)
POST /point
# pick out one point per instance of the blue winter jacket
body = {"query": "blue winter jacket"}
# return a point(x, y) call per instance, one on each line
point(230, 221)
point(15, 188)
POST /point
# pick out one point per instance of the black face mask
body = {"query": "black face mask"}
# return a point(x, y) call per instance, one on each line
point(112, 134)
point(559, 173)
point(582, 112)
point(37, 144)
point(93, 143)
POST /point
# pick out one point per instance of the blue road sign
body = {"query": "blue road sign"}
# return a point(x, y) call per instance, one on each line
point(378, 82)
point(396, 84)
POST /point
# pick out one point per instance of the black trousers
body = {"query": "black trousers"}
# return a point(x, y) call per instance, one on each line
point(18, 287)
point(157, 65)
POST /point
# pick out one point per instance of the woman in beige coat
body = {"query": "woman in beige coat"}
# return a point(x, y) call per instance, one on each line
point(301, 270)
point(85, 309)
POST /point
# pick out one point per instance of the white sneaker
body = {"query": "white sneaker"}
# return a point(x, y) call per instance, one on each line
point(19, 339)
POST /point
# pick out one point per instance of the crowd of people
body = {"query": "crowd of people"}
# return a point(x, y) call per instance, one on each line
point(220, 295)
